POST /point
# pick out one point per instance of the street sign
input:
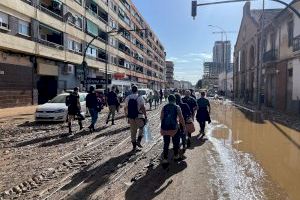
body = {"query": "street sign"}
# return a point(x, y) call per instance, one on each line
point(97, 81)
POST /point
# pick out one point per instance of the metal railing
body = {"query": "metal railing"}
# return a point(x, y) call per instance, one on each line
point(51, 44)
point(270, 55)
point(44, 8)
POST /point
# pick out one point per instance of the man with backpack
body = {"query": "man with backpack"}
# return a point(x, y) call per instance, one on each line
point(193, 107)
point(137, 117)
point(74, 109)
point(170, 115)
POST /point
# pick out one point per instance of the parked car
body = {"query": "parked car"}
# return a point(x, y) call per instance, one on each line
point(56, 109)
point(144, 92)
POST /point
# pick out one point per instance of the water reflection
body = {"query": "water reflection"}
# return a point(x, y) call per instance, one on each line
point(274, 146)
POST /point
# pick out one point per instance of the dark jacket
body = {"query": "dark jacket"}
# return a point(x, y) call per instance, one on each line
point(91, 101)
point(112, 99)
point(186, 112)
point(202, 112)
point(191, 102)
point(72, 101)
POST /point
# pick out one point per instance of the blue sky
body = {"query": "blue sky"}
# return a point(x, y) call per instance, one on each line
point(189, 42)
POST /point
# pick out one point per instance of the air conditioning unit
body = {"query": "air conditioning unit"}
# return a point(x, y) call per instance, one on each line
point(68, 69)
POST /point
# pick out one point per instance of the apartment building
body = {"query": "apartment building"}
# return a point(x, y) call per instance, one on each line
point(170, 74)
point(42, 43)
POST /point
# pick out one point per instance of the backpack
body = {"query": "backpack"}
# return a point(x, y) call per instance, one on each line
point(169, 121)
point(133, 111)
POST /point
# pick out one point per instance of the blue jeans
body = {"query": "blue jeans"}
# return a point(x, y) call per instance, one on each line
point(94, 116)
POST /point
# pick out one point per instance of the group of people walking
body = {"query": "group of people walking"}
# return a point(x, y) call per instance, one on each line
point(177, 116)
point(177, 122)
point(95, 102)
point(156, 98)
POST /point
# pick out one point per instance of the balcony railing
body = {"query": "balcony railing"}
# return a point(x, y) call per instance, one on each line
point(47, 9)
point(296, 43)
point(51, 44)
point(270, 55)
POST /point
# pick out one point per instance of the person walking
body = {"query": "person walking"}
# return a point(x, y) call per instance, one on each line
point(150, 99)
point(170, 115)
point(74, 109)
point(193, 107)
point(156, 98)
point(161, 95)
point(92, 105)
point(187, 114)
point(113, 103)
point(203, 113)
point(137, 117)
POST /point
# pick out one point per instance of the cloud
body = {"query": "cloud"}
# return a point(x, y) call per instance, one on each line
point(177, 60)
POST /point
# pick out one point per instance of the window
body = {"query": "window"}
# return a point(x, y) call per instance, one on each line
point(74, 46)
point(290, 72)
point(76, 20)
point(92, 51)
point(23, 28)
point(113, 42)
point(102, 35)
point(3, 20)
point(290, 33)
point(92, 28)
point(101, 55)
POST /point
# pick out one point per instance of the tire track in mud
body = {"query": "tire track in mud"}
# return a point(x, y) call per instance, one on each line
point(43, 185)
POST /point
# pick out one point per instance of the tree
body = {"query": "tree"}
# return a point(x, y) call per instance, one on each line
point(199, 84)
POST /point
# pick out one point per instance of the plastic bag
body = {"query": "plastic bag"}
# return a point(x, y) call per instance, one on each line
point(147, 133)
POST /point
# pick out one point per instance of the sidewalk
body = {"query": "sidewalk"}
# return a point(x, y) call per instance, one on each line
point(290, 120)
point(17, 111)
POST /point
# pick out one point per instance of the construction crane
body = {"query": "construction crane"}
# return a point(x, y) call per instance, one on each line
point(223, 32)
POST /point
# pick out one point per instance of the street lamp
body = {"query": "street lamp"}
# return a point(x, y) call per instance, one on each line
point(224, 63)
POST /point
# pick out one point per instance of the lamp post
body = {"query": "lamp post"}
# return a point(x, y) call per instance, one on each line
point(224, 63)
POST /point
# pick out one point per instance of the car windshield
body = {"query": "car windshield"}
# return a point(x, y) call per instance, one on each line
point(59, 99)
point(142, 92)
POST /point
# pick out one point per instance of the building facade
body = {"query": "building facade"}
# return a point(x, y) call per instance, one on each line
point(210, 78)
point(43, 41)
point(169, 74)
point(246, 54)
point(280, 82)
point(222, 54)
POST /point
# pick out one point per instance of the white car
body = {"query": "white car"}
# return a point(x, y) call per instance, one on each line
point(56, 109)
point(144, 92)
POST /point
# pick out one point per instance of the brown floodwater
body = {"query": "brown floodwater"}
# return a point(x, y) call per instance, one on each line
point(263, 156)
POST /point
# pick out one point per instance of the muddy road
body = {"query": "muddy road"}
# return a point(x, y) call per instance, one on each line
point(245, 155)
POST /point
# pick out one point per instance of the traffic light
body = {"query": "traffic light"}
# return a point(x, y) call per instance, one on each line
point(194, 9)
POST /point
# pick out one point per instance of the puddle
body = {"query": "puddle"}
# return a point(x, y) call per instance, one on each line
point(260, 159)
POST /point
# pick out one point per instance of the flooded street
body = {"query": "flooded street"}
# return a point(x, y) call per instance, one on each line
point(259, 158)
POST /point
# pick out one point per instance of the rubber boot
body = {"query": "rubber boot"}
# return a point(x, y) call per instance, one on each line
point(139, 142)
point(112, 122)
point(133, 146)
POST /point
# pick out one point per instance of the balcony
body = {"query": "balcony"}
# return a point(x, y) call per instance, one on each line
point(53, 8)
point(50, 37)
point(270, 55)
point(296, 43)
